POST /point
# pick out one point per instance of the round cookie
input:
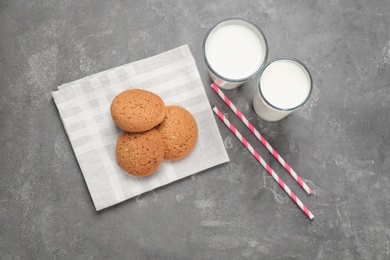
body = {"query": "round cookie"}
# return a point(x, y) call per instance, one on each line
point(140, 154)
point(137, 110)
point(180, 132)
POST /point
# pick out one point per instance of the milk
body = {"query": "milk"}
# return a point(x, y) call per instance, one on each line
point(284, 85)
point(234, 51)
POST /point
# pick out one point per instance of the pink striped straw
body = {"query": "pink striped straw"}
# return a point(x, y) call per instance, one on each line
point(262, 139)
point(264, 164)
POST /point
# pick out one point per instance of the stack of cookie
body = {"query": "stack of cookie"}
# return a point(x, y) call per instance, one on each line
point(151, 132)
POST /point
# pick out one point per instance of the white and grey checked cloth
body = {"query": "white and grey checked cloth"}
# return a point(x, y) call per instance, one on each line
point(84, 108)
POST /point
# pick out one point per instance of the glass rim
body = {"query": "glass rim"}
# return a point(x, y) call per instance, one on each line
point(219, 75)
point(310, 86)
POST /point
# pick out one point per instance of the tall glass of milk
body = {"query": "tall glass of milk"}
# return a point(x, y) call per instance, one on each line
point(284, 85)
point(234, 51)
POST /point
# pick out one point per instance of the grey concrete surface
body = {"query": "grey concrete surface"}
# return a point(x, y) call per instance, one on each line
point(339, 141)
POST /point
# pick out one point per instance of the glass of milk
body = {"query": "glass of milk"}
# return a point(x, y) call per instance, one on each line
point(284, 85)
point(234, 51)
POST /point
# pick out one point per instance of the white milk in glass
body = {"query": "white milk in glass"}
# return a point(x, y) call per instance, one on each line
point(284, 85)
point(234, 51)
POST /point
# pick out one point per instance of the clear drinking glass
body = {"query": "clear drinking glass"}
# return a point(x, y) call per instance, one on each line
point(234, 51)
point(284, 85)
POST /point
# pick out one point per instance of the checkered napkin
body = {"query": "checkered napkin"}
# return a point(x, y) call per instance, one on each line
point(84, 108)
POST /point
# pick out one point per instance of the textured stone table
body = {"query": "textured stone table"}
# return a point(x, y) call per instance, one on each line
point(339, 141)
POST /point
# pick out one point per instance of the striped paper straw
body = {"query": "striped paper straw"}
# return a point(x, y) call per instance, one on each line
point(262, 139)
point(264, 164)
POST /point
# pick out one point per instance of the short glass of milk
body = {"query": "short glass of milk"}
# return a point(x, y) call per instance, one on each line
point(284, 85)
point(234, 51)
